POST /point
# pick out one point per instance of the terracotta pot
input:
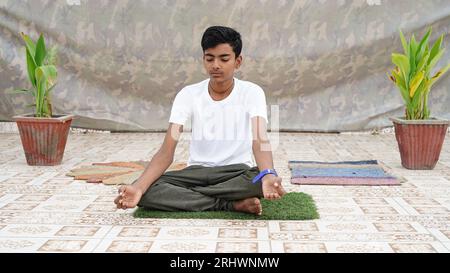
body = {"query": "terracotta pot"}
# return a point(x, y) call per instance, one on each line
point(420, 141)
point(43, 139)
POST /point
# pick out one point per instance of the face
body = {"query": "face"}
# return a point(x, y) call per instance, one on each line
point(220, 63)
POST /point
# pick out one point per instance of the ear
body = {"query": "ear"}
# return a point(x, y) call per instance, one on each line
point(238, 62)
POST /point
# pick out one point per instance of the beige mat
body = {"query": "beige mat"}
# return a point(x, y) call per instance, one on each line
point(115, 173)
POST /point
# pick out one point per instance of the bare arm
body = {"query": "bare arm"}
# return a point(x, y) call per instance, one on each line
point(262, 150)
point(161, 160)
point(261, 144)
point(130, 195)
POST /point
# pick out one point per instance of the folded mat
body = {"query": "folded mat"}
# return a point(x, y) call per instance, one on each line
point(366, 172)
point(115, 173)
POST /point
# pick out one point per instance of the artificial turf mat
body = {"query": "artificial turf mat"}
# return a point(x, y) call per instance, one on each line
point(293, 206)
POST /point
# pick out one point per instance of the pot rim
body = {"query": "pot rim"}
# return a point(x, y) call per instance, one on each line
point(31, 118)
point(431, 121)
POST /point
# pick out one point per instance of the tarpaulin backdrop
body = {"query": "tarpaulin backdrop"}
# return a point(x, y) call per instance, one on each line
point(121, 63)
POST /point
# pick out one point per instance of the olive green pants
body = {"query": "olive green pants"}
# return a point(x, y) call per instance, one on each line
point(198, 188)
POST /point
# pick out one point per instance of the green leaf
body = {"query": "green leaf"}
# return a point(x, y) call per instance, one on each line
point(435, 59)
point(404, 94)
point(412, 62)
point(418, 94)
point(415, 82)
point(439, 74)
point(17, 91)
point(414, 45)
point(31, 47)
point(436, 48)
point(404, 43)
point(49, 71)
point(31, 67)
point(402, 63)
point(423, 61)
point(422, 45)
point(43, 75)
point(40, 51)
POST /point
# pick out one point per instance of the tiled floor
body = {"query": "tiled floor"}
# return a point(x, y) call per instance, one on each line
point(42, 210)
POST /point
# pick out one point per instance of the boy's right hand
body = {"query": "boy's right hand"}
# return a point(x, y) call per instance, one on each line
point(128, 198)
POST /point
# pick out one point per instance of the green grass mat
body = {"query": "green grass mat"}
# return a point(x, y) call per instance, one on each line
point(293, 206)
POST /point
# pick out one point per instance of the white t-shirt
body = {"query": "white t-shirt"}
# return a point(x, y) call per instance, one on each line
point(221, 130)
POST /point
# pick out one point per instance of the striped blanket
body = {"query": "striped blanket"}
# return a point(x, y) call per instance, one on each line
point(367, 172)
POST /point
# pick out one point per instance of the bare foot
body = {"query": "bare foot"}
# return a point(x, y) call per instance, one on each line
point(129, 197)
point(272, 188)
point(249, 205)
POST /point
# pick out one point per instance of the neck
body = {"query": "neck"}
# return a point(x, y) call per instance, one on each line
point(219, 91)
point(222, 86)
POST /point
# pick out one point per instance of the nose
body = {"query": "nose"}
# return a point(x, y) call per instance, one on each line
point(215, 64)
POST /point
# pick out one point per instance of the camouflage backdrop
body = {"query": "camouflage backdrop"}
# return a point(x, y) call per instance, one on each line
point(324, 62)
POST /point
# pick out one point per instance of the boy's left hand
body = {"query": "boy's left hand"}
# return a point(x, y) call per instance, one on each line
point(272, 188)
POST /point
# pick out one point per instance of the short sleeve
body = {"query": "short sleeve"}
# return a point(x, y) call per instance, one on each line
point(181, 108)
point(257, 102)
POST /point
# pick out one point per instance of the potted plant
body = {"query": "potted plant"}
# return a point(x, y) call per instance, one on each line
point(43, 134)
point(419, 136)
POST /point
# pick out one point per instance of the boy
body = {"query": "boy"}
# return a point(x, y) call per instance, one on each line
point(229, 118)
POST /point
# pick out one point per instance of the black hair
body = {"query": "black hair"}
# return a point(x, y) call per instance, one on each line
point(216, 35)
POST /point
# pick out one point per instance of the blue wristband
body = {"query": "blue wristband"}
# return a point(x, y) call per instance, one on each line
point(262, 174)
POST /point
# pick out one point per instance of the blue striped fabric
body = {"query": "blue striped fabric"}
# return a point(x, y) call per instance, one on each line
point(339, 172)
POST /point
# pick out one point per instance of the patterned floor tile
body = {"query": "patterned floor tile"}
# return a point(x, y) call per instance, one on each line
point(395, 227)
point(6, 175)
point(134, 232)
point(125, 246)
point(63, 198)
point(351, 237)
point(347, 227)
point(101, 207)
point(357, 247)
point(30, 231)
point(36, 198)
point(16, 245)
point(444, 202)
point(297, 226)
point(67, 245)
point(183, 246)
point(83, 231)
point(421, 201)
point(237, 247)
point(340, 210)
point(61, 207)
point(432, 210)
point(371, 201)
point(379, 210)
point(7, 198)
point(41, 179)
point(19, 206)
point(106, 199)
point(198, 233)
point(446, 233)
point(412, 248)
point(238, 233)
point(307, 247)
point(17, 181)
